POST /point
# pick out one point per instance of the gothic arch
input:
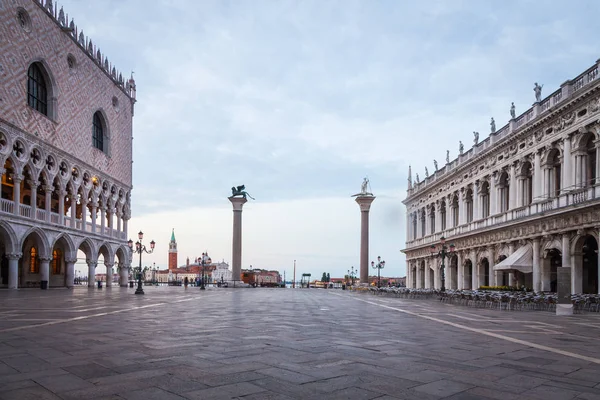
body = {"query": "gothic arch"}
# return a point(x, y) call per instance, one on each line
point(88, 248)
point(66, 239)
point(9, 237)
point(51, 86)
point(41, 239)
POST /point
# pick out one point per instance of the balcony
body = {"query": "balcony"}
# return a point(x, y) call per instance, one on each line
point(7, 209)
point(579, 197)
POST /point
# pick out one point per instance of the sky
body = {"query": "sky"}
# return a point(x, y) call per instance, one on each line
point(300, 100)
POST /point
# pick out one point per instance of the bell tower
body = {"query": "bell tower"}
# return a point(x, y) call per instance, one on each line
point(172, 251)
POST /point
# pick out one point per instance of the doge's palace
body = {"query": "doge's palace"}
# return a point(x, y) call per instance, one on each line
point(518, 205)
point(65, 149)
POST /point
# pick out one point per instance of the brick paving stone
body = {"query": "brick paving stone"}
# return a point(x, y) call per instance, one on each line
point(29, 393)
point(287, 350)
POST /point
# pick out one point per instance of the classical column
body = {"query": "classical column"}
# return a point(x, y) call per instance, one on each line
point(33, 184)
point(94, 212)
point(119, 216)
point(462, 208)
point(476, 201)
point(428, 221)
point(236, 258)
point(418, 270)
point(45, 271)
point(70, 272)
point(597, 147)
point(537, 177)
point(364, 202)
point(84, 211)
point(536, 265)
point(566, 258)
point(61, 206)
point(567, 178)
point(460, 271)
point(73, 210)
point(428, 283)
point(123, 272)
point(91, 272)
point(109, 274)
point(17, 179)
point(102, 218)
point(48, 189)
point(493, 195)
point(438, 216)
point(512, 192)
point(511, 276)
point(475, 274)
point(13, 269)
point(449, 220)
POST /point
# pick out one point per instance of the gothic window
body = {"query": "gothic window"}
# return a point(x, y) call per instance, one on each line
point(37, 92)
point(98, 131)
point(34, 264)
point(56, 258)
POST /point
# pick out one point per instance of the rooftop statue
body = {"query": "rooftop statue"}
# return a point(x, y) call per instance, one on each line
point(538, 92)
point(240, 191)
point(493, 126)
point(512, 111)
point(435, 164)
point(447, 156)
point(475, 137)
point(426, 173)
point(461, 147)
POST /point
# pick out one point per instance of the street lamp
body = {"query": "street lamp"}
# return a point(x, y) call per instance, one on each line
point(380, 264)
point(442, 253)
point(203, 259)
point(139, 249)
point(351, 274)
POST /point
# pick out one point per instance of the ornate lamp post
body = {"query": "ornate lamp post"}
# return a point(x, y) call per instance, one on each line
point(379, 266)
point(351, 274)
point(139, 249)
point(203, 262)
point(442, 253)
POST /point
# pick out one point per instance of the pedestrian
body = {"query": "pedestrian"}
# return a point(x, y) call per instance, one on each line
point(185, 282)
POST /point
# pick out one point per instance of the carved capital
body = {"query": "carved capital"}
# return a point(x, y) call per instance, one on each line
point(14, 256)
point(70, 260)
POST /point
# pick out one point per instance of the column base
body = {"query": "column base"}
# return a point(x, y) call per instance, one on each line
point(564, 309)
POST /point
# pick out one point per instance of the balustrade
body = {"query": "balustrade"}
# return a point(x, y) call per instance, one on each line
point(25, 210)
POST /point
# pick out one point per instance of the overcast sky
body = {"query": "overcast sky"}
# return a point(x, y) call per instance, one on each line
point(299, 100)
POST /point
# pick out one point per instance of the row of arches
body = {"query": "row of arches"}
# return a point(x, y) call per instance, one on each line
point(538, 177)
point(465, 272)
point(40, 256)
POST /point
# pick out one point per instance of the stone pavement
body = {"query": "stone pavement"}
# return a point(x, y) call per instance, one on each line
point(176, 343)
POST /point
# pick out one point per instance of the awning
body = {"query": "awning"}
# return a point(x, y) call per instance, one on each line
point(520, 260)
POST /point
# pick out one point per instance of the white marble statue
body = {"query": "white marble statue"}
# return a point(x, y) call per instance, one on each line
point(538, 92)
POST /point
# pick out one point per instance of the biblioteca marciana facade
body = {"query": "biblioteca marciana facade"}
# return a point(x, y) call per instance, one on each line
point(65, 150)
point(518, 205)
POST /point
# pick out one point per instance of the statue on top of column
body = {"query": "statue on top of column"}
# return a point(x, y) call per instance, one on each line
point(240, 191)
point(538, 92)
point(364, 185)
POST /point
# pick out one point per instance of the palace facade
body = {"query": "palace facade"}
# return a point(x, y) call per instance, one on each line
point(65, 150)
point(518, 205)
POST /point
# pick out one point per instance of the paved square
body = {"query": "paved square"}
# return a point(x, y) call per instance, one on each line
point(176, 343)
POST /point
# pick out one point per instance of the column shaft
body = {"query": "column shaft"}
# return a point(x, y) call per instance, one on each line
point(536, 266)
point(13, 270)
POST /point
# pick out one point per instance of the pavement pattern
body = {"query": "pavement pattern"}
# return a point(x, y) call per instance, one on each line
point(176, 343)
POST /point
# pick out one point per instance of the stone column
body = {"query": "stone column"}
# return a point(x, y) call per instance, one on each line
point(109, 274)
point(597, 146)
point(438, 217)
point(61, 206)
point(13, 269)
point(418, 276)
point(45, 270)
point(102, 219)
point(493, 195)
point(427, 272)
point(460, 271)
point(17, 179)
point(84, 211)
point(73, 210)
point(511, 276)
point(536, 265)
point(33, 184)
point(449, 220)
point(567, 178)
point(119, 216)
point(94, 212)
point(236, 258)
point(537, 177)
point(48, 189)
point(475, 274)
point(91, 272)
point(123, 274)
point(364, 202)
point(512, 190)
point(566, 258)
point(70, 272)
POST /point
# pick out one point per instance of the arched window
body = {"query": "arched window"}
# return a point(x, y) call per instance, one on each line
point(34, 265)
point(503, 187)
point(423, 222)
point(56, 257)
point(455, 211)
point(98, 131)
point(414, 223)
point(443, 215)
point(485, 200)
point(591, 162)
point(37, 89)
point(432, 219)
point(525, 183)
point(469, 205)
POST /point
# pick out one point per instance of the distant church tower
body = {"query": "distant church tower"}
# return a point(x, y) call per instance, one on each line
point(172, 251)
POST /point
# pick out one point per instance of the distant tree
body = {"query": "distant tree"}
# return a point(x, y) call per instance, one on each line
point(324, 277)
point(328, 277)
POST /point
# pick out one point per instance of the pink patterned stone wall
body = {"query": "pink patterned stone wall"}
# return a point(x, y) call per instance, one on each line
point(79, 91)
